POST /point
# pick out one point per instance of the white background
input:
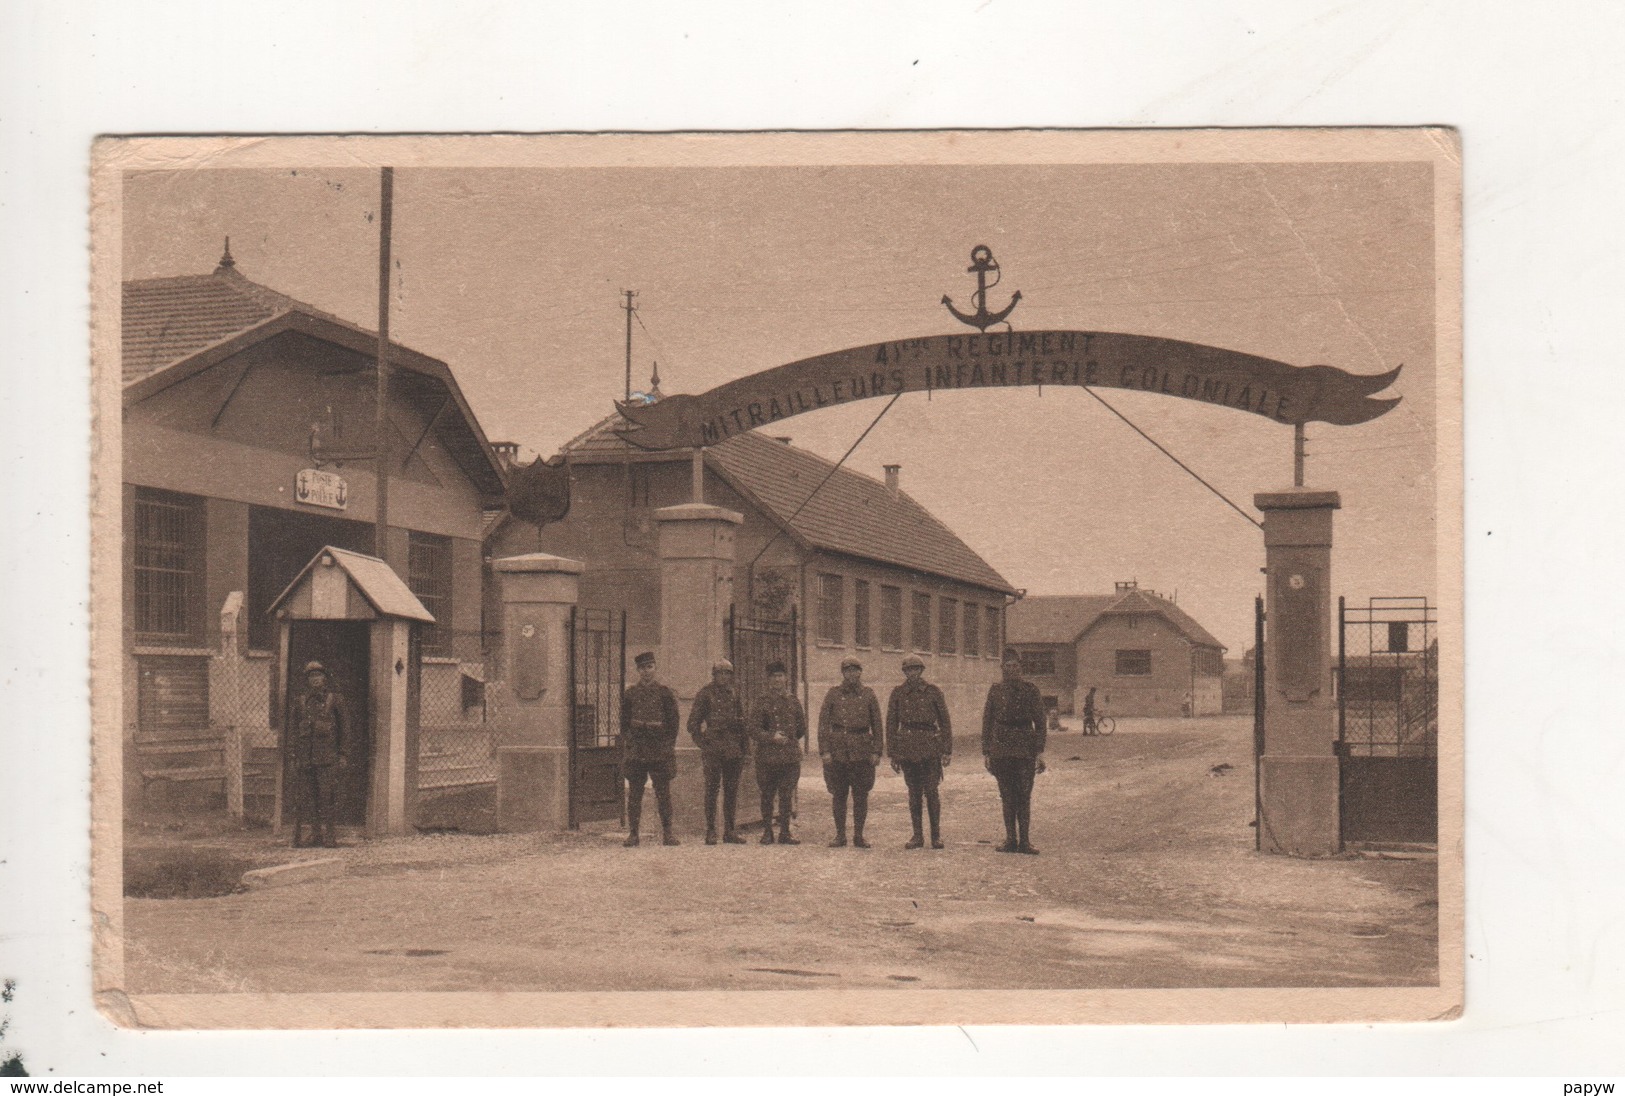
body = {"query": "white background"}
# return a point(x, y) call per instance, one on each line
point(1535, 90)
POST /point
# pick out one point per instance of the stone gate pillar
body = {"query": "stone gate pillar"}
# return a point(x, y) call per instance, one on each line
point(696, 592)
point(1299, 769)
point(533, 710)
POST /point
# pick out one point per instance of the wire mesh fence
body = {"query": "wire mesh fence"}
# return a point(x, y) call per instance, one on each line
point(457, 741)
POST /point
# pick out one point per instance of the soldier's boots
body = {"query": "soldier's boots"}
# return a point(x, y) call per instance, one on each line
point(785, 838)
point(1010, 845)
point(915, 842)
point(858, 842)
point(711, 836)
point(839, 840)
point(631, 841)
point(731, 838)
point(936, 840)
point(767, 835)
point(1026, 848)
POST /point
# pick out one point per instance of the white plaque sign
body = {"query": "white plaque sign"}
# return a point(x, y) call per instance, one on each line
point(317, 488)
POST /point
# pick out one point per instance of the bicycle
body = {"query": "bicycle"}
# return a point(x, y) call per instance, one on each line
point(1100, 724)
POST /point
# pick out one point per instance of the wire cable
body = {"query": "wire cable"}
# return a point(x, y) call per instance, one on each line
point(833, 469)
point(1175, 459)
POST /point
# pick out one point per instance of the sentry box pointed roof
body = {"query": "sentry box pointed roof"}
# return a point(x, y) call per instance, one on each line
point(360, 588)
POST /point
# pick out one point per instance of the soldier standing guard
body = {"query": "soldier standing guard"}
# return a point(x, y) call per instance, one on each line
point(648, 743)
point(851, 739)
point(319, 732)
point(920, 743)
point(1013, 736)
point(778, 725)
point(716, 722)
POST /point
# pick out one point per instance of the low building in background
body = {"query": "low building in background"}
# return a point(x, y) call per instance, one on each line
point(1142, 653)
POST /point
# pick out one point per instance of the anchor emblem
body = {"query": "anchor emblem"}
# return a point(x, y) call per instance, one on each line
point(982, 263)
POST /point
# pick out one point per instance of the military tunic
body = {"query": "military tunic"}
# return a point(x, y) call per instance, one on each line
point(917, 724)
point(1013, 720)
point(649, 724)
point(319, 739)
point(716, 722)
point(849, 724)
point(777, 715)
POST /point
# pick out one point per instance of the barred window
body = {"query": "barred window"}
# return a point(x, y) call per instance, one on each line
point(172, 694)
point(860, 613)
point(428, 575)
point(831, 609)
point(995, 646)
point(891, 618)
point(169, 561)
point(920, 626)
point(1133, 663)
point(973, 629)
point(948, 632)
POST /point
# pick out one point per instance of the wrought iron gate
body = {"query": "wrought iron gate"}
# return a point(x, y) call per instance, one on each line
point(752, 644)
point(597, 681)
point(1388, 720)
point(1258, 722)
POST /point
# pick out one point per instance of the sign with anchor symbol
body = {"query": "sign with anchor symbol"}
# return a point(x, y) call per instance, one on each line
point(982, 264)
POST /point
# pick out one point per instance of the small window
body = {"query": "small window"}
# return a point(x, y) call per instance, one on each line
point(1038, 663)
point(948, 637)
point(860, 613)
point(920, 624)
point(168, 554)
point(831, 609)
point(973, 629)
point(1133, 663)
point(995, 646)
point(639, 490)
point(428, 575)
point(891, 618)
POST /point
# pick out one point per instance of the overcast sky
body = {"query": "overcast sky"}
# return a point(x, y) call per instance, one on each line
point(513, 277)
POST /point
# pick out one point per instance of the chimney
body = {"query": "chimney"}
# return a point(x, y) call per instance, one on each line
point(507, 452)
point(894, 474)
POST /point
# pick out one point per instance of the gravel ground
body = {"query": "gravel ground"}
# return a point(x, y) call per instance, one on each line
point(1147, 879)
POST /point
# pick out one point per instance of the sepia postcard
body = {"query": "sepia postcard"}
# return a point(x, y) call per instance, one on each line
point(882, 578)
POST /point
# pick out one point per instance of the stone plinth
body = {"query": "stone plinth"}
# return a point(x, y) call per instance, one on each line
point(1299, 769)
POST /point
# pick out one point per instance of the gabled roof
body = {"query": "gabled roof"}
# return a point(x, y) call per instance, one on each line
point(853, 514)
point(1040, 618)
point(1056, 619)
point(175, 327)
point(376, 581)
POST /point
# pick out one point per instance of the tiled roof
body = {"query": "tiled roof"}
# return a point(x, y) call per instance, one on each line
point(1058, 619)
point(1040, 618)
point(167, 319)
point(853, 514)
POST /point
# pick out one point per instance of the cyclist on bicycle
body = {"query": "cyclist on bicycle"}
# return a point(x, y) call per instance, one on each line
point(1089, 724)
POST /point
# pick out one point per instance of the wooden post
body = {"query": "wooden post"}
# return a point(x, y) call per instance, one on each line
point(1297, 454)
point(234, 770)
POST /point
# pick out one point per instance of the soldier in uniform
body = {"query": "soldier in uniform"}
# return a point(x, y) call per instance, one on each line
point(1013, 736)
point(920, 743)
point(778, 725)
point(851, 739)
point(648, 747)
point(320, 734)
point(716, 722)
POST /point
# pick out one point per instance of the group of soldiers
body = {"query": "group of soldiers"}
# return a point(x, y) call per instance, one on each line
point(916, 735)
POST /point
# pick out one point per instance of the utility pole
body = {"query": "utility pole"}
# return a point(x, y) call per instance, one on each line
point(628, 306)
point(381, 447)
point(1297, 454)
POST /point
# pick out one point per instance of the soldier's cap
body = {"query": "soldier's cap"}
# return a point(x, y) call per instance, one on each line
point(850, 663)
point(776, 668)
point(1011, 655)
point(913, 662)
point(647, 658)
point(315, 668)
point(722, 666)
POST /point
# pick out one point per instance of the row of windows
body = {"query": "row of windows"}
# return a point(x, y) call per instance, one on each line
point(1129, 663)
point(169, 557)
point(962, 627)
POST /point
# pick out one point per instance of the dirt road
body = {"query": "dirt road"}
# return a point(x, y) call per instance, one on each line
point(1148, 878)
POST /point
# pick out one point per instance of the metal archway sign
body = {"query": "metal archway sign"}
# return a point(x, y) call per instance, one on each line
point(1292, 394)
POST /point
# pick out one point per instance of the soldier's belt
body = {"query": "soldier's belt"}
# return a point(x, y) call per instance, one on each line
point(852, 730)
point(919, 726)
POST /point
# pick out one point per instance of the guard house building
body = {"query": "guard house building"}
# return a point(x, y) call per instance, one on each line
point(1143, 654)
point(248, 426)
point(862, 569)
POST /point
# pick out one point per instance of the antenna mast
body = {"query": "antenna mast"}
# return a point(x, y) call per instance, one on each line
point(630, 294)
